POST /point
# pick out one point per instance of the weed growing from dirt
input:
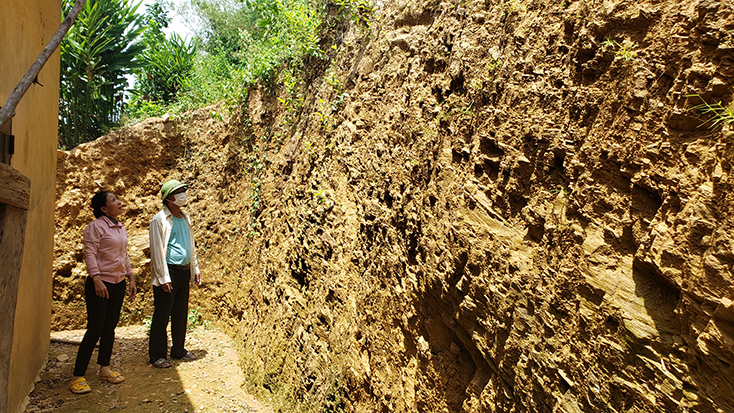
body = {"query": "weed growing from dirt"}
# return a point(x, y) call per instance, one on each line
point(256, 166)
point(147, 321)
point(458, 112)
point(214, 114)
point(323, 197)
point(328, 109)
point(494, 64)
point(626, 52)
point(719, 115)
point(476, 85)
point(515, 6)
point(292, 79)
point(195, 318)
point(729, 41)
point(559, 190)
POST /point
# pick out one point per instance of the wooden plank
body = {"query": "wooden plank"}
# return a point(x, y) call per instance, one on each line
point(12, 238)
point(15, 188)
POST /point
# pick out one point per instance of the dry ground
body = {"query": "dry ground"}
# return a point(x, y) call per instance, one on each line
point(212, 383)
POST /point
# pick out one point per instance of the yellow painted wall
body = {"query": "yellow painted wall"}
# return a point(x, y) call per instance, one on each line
point(26, 26)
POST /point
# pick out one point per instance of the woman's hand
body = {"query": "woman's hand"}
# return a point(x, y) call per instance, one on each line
point(133, 288)
point(99, 288)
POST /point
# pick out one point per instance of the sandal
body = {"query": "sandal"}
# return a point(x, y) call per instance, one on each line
point(189, 356)
point(161, 363)
point(114, 377)
point(80, 386)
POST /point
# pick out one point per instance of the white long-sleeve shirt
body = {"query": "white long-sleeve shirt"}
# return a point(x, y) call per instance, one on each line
point(159, 233)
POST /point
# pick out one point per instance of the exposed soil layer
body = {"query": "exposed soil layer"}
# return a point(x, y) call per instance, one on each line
point(487, 206)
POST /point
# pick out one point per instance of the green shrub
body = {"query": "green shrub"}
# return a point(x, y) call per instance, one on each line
point(243, 43)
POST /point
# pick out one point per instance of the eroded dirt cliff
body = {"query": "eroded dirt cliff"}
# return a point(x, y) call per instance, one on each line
point(487, 206)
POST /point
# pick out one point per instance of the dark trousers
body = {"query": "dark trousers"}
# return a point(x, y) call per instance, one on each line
point(173, 306)
point(102, 317)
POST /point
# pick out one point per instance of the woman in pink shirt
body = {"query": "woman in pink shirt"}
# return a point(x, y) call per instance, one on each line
point(108, 264)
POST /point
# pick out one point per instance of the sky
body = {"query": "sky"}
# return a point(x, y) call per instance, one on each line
point(178, 24)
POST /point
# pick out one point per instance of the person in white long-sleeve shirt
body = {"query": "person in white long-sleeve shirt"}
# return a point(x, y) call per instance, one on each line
point(173, 265)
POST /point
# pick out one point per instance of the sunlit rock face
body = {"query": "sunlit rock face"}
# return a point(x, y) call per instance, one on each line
point(475, 206)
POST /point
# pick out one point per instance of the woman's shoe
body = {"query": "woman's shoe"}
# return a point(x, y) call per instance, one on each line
point(80, 386)
point(113, 377)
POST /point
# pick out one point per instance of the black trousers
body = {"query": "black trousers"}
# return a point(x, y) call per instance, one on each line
point(102, 317)
point(173, 306)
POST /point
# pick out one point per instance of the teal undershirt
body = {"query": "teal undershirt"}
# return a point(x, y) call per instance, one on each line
point(179, 252)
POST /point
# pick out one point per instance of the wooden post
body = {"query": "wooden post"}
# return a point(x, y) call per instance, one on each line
point(14, 200)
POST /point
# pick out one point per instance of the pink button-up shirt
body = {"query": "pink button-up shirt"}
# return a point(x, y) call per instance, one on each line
point(105, 250)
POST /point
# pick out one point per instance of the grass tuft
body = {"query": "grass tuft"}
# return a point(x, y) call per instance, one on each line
point(720, 115)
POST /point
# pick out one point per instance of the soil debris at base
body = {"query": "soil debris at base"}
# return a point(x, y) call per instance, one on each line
point(212, 383)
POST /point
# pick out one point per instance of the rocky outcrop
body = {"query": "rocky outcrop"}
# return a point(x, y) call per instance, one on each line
point(482, 206)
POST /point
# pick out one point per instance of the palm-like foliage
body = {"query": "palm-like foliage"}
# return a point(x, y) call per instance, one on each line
point(96, 54)
point(166, 66)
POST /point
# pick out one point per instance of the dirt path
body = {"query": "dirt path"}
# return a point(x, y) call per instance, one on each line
point(209, 384)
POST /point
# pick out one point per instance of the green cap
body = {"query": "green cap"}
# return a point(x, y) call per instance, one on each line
point(171, 186)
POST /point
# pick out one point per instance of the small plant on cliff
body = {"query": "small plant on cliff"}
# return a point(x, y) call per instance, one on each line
point(719, 115)
point(623, 51)
point(559, 190)
point(458, 112)
point(729, 38)
point(327, 109)
point(147, 321)
point(515, 6)
point(195, 318)
point(323, 118)
point(213, 114)
point(323, 198)
point(359, 11)
point(254, 207)
point(293, 98)
point(333, 80)
point(494, 64)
